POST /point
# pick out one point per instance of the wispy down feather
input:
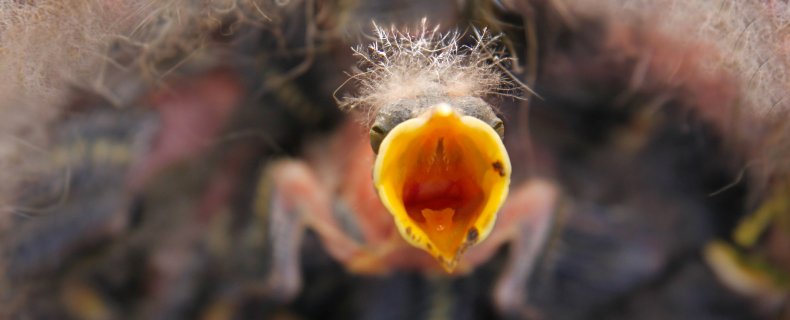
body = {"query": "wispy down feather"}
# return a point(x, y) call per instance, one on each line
point(403, 64)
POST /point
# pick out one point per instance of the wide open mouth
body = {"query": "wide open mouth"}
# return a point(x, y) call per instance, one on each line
point(443, 177)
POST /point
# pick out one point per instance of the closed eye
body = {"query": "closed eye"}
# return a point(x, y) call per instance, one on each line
point(499, 127)
point(377, 135)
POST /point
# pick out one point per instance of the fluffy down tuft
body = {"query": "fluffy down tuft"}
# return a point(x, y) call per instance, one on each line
point(401, 64)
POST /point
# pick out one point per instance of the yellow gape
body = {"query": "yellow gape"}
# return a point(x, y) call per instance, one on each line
point(443, 177)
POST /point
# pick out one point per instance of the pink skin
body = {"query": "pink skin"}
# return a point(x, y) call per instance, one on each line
point(341, 169)
point(192, 113)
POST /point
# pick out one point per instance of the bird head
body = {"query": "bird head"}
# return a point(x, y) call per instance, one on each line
point(441, 168)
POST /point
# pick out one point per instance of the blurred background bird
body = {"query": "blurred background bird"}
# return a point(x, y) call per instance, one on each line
point(215, 159)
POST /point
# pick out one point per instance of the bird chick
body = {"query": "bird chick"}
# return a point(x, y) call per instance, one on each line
point(441, 168)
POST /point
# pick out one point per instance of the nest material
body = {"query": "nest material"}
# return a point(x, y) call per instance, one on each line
point(48, 47)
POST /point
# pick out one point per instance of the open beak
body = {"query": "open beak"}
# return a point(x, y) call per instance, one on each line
point(443, 177)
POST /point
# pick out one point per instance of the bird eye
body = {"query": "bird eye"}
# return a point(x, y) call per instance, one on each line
point(377, 135)
point(499, 127)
